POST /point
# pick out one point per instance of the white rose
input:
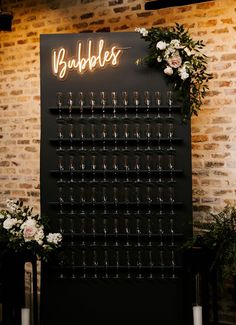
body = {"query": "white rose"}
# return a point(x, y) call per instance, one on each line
point(168, 70)
point(54, 238)
point(175, 60)
point(9, 223)
point(161, 45)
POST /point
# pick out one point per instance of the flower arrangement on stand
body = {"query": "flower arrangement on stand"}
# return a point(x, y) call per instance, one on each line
point(180, 59)
point(25, 232)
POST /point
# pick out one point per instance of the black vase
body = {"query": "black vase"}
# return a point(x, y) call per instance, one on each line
point(12, 291)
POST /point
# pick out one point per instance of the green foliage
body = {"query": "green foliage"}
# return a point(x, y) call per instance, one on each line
point(219, 236)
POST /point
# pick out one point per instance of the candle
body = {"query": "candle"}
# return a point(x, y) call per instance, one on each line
point(197, 315)
point(25, 316)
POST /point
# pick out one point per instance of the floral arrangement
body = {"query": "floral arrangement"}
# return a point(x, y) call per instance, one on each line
point(23, 231)
point(182, 62)
point(219, 236)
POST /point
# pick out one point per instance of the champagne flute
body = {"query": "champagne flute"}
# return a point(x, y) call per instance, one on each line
point(125, 101)
point(114, 102)
point(115, 135)
point(84, 265)
point(139, 264)
point(93, 136)
point(158, 102)
point(104, 135)
point(103, 102)
point(126, 134)
point(71, 134)
point(94, 231)
point(137, 135)
point(60, 135)
point(128, 263)
point(170, 100)
point(138, 231)
point(106, 263)
point(70, 104)
point(92, 102)
point(95, 263)
point(149, 231)
point(117, 263)
point(94, 166)
point(115, 167)
point(151, 264)
point(81, 103)
point(170, 134)
point(147, 102)
point(127, 230)
point(148, 135)
point(136, 102)
point(116, 230)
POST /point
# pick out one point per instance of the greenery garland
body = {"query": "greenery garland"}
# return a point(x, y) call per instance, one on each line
point(180, 58)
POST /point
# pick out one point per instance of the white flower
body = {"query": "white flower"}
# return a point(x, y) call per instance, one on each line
point(183, 73)
point(159, 59)
point(54, 238)
point(161, 45)
point(168, 70)
point(2, 216)
point(39, 236)
point(188, 51)
point(175, 60)
point(142, 31)
point(9, 223)
point(29, 229)
point(11, 205)
point(176, 44)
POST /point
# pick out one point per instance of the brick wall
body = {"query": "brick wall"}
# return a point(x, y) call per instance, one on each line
point(213, 131)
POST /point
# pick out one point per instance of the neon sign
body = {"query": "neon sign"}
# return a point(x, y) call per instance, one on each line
point(62, 64)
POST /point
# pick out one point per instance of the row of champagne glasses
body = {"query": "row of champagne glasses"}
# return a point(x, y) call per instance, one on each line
point(117, 194)
point(113, 98)
point(130, 264)
point(117, 225)
point(115, 162)
point(115, 130)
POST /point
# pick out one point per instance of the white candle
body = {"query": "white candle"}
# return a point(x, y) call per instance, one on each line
point(197, 315)
point(25, 316)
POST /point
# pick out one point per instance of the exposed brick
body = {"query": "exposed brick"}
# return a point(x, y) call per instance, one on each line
point(217, 164)
point(97, 22)
point(229, 57)
point(87, 15)
point(199, 138)
point(222, 137)
point(115, 2)
point(144, 14)
point(120, 9)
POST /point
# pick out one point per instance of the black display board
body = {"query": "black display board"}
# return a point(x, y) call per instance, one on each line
point(116, 181)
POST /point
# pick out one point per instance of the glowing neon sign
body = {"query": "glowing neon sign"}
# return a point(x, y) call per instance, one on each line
point(62, 64)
